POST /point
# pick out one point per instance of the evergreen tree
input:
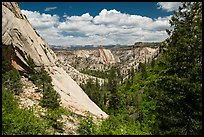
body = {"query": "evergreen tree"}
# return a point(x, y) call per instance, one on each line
point(11, 80)
point(142, 69)
point(50, 98)
point(112, 87)
point(180, 83)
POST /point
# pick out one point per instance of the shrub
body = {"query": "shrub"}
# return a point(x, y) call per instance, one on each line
point(53, 118)
point(87, 126)
point(16, 121)
point(50, 98)
point(11, 80)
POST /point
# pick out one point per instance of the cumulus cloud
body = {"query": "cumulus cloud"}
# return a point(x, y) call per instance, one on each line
point(168, 6)
point(108, 27)
point(41, 21)
point(50, 8)
point(84, 17)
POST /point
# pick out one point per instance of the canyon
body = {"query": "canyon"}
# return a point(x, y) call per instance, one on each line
point(102, 59)
point(20, 42)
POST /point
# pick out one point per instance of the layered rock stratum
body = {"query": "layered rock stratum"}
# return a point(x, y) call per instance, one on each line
point(20, 41)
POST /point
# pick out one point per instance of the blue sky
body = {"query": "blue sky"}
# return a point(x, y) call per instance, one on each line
point(148, 9)
point(81, 23)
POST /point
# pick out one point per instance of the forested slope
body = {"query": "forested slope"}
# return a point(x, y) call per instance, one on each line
point(165, 96)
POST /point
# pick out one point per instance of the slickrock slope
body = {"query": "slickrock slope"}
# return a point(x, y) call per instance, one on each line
point(30, 97)
point(20, 40)
point(77, 100)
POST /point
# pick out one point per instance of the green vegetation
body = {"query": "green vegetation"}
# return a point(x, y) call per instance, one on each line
point(22, 121)
point(180, 82)
point(43, 81)
point(14, 119)
point(11, 81)
point(165, 96)
point(50, 99)
point(53, 118)
point(161, 98)
point(17, 121)
point(87, 126)
point(96, 73)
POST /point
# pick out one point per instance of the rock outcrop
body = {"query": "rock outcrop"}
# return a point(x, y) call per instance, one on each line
point(106, 55)
point(74, 62)
point(25, 41)
point(77, 76)
point(20, 41)
point(131, 57)
point(102, 59)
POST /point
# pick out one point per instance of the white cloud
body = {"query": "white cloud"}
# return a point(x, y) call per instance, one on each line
point(50, 8)
point(168, 6)
point(108, 27)
point(84, 17)
point(41, 21)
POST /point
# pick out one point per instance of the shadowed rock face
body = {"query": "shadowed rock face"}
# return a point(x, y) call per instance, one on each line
point(20, 40)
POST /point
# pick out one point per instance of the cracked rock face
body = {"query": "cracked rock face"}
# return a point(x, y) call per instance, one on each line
point(18, 33)
point(107, 56)
point(20, 40)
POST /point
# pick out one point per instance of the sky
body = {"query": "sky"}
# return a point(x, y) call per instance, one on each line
point(100, 23)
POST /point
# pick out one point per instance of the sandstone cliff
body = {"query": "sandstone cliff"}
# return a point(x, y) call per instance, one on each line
point(73, 62)
point(20, 41)
point(106, 55)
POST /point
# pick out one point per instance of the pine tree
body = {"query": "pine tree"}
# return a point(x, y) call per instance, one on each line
point(179, 85)
point(112, 87)
point(142, 69)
